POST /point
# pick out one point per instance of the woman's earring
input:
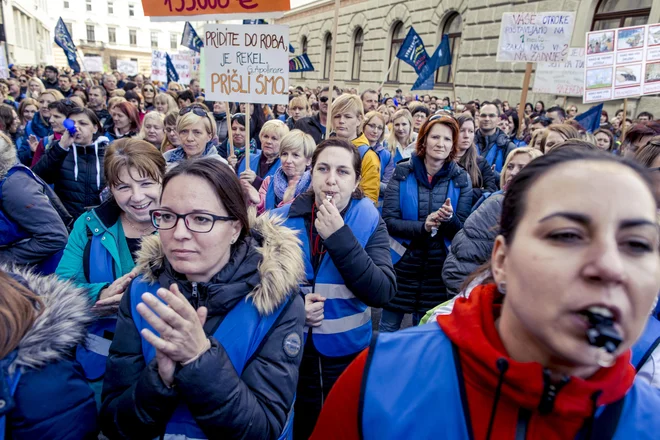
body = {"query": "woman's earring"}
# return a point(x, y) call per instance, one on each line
point(501, 287)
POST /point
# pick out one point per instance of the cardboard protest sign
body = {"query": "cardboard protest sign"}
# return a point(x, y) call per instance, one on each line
point(158, 66)
point(622, 63)
point(248, 63)
point(204, 10)
point(533, 37)
point(183, 65)
point(93, 63)
point(128, 67)
point(564, 78)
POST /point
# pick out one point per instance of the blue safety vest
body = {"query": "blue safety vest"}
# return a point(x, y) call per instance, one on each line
point(241, 333)
point(254, 165)
point(384, 156)
point(346, 328)
point(495, 156)
point(646, 344)
point(93, 354)
point(410, 389)
point(409, 205)
point(271, 203)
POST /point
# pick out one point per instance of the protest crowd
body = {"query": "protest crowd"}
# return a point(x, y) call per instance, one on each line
point(173, 267)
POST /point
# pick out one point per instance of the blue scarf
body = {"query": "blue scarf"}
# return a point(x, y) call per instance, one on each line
point(179, 154)
point(281, 183)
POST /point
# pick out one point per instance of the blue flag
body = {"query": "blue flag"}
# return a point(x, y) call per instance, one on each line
point(190, 39)
point(63, 39)
point(291, 49)
point(301, 63)
point(412, 51)
point(172, 75)
point(590, 119)
point(441, 57)
point(258, 21)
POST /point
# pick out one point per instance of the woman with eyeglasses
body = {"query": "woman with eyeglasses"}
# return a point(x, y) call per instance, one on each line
point(426, 203)
point(153, 129)
point(209, 338)
point(171, 140)
point(374, 128)
point(348, 269)
point(291, 179)
point(125, 121)
point(102, 248)
point(196, 131)
point(265, 162)
point(149, 93)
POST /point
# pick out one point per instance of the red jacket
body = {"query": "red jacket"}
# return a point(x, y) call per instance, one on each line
point(471, 327)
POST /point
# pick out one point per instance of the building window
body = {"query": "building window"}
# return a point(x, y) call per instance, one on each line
point(112, 35)
point(174, 41)
point(612, 14)
point(69, 27)
point(131, 10)
point(132, 37)
point(358, 43)
point(154, 39)
point(88, 5)
point(111, 8)
point(91, 38)
point(66, 5)
point(327, 59)
point(452, 28)
point(397, 40)
point(303, 45)
point(113, 62)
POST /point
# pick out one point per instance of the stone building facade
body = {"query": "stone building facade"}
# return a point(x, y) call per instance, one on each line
point(369, 29)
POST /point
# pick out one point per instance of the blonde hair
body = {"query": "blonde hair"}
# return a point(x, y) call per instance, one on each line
point(275, 126)
point(300, 101)
point(119, 92)
point(54, 93)
point(36, 80)
point(190, 119)
point(149, 117)
point(392, 141)
point(384, 111)
point(297, 140)
point(346, 104)
point(367, 119)
point(164, 98)
point(533, 153)
point(114, 101)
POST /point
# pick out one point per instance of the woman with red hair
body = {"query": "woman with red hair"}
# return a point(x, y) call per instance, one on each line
point(426, 202)
point(125, 121)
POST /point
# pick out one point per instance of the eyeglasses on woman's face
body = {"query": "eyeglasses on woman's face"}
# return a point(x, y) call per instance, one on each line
point(200, 222)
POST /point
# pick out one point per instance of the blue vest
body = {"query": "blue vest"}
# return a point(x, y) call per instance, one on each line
point(254, 165)
point(397, 157)
point(271, 203)
point(495, 156)
point(646, 344)
point(12, 384)
point(410, 390)
point(346, 328)
point(409, 205)
point(93, 354)
point(241, 333)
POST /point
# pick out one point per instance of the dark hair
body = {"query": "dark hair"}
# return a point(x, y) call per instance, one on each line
point(515, 198)
point(649, 152)
point(52, 69)
point(485, 103)
point(133, 95)
point(131, 112)
point(542, 120)
point(6, 116)
point(348, 146)
point(91, 115)
point(224, 182)
point(469, 158)
point(327, 89)
point(516, 122)
point(129, 86)
point(64, 75)
point(101, 88)
point(529, 104)
point(604, 113)
point(238, 117)
point(422, 109)
point(609, 135)
point(542, 106)
point(186, 95)
point(557, 109)
point(64, 106)
point(372, 91)
point(647, 114)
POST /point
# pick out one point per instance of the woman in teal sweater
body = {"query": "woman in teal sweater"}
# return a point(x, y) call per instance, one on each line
point(100, 253)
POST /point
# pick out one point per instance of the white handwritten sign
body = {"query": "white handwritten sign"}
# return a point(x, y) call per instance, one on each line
point(128, 67)
point(158, 66)
point(564, 78)
point(248, 63)
point(183, 65)
point(93, 63)
point(535, 37)
point(622, 63)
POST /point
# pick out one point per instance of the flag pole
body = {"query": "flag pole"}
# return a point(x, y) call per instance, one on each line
point(248, 116)
point(623, 123)
point(332, 67)
point(230, 132)
point(388, 73)
point(523, 97)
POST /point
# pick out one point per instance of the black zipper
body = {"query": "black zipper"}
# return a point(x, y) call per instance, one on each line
point(524, 415)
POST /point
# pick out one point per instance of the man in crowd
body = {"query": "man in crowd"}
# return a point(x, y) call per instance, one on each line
point(185, 98)
point(65, 85)
point(539, 123)
point(109, 83)
point(644, 117)
point(492, 143)
point(369, 100)
point(315, 126)
point(51, 78)
point(139, 80)
point(15, 90)
point(195, 88)
point(556, 114)
point(97, 103)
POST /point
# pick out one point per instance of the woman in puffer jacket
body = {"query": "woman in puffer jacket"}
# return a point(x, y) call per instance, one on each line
point(44, 394)
point(473, 244)
point(426, 202)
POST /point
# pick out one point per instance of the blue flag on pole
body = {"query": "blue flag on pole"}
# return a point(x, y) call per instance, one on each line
point(412, 51)
point(63, 39)
point(441, 57)
point(190, 39)
point(301, 63)
point(291, 49)
point(590, 119)
point(172, 74)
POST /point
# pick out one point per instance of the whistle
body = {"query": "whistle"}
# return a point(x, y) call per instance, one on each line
point(602, 333)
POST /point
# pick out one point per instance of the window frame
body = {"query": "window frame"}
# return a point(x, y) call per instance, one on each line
point(88, 6)
point(153, 34)
point(621, 15)
point(174, 41)
point(327, 55)
point(131, 10)
point(111, 8)
point(358, 50)
point(132, 35)
point(66, 4)
point(398, 42)
point(92, 28)
point(112, 35)
point(454, 42)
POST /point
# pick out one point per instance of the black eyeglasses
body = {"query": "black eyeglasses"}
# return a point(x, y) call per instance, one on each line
point(199, 222)
point(324, 99)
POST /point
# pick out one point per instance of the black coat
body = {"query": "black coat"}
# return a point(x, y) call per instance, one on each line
point(255, 405)
point(489, 180)
point(76, 191)
point(312, 126)
point(419, 280)
point(502, 141)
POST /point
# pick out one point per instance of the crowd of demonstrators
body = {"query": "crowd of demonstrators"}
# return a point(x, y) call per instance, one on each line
point(195, 262)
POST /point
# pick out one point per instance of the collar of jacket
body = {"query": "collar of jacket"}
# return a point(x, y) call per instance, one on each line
point(59, 327)
point(360, 140)
point(266, 266)
point(106, 215)
point(471, 327)
point(499, 137)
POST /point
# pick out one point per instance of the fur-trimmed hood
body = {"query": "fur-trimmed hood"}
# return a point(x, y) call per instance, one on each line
point(8, 157)
point(61, 325)
point(280, 271)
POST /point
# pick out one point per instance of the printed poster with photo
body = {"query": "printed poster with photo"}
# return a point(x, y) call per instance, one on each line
point(622, 63)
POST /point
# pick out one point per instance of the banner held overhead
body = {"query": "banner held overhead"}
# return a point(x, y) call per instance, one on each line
point(204, 10)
